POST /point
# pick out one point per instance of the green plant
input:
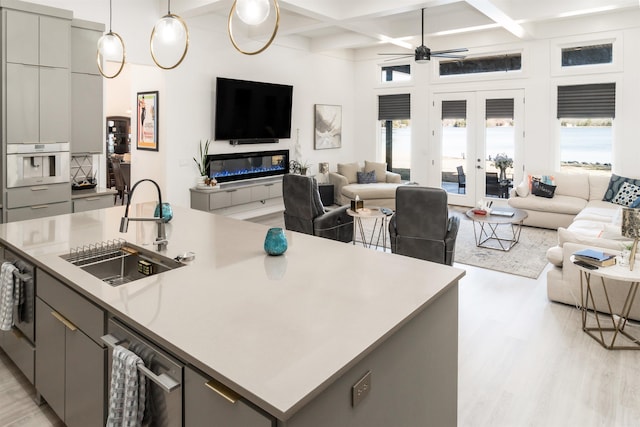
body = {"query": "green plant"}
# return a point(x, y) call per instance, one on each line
point(502, 161)
point(201, 162)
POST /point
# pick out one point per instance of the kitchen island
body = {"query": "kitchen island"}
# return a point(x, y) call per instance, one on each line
point(290, 336)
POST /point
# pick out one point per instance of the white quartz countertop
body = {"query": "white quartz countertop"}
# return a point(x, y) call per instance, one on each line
point(277, 330)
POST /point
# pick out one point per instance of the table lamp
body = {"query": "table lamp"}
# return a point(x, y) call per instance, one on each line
point(631, 229)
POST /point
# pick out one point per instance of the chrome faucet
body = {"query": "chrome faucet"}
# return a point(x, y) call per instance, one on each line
point(161, 239)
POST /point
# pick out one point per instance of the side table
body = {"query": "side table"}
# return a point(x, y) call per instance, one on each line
point(607, 335)
point(381, 226)
point(326, 194)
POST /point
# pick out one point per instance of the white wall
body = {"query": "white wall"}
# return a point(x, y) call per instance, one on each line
point(539, 80)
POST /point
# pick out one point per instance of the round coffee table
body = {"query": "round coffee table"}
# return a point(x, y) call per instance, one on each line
point(485, 227)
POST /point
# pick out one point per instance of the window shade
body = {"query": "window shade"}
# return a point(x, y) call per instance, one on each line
point(499, 108)
point(593, 100)
point(454, 109)
point(394, 107)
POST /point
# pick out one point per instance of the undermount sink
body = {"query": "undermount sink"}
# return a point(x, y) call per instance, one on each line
point(119, 262)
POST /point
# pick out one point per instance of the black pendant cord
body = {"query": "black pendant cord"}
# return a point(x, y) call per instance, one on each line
point(423, 26)
point(169, 7)
point(110, 14)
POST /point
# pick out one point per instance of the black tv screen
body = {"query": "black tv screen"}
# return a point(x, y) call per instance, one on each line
point(247, 110)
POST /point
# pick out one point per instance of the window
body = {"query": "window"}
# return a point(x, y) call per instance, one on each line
point(586, 114)
point(485, 64)
point(587, 55)
point(394, 115)
point(395, 73)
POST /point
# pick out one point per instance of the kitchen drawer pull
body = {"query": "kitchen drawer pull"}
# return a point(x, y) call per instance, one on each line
point(64, 321)
point(17, 333)
point(224, 391)
point(40, 207)
point(163, 380)
point(92, 199)
point(41, 188)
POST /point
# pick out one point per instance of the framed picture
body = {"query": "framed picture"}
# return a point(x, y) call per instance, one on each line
point(328, 124)
point(147, 121)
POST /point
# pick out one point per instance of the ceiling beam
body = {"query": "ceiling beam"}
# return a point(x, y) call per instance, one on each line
point(492, 12)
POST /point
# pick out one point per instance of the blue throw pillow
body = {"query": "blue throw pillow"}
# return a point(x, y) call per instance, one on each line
point(614, 186)
point(367, 177)
point(635, 204)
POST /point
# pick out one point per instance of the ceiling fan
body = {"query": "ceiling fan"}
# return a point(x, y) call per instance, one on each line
point(423, 54)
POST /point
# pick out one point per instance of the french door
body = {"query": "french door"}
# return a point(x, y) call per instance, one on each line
point(480, 139)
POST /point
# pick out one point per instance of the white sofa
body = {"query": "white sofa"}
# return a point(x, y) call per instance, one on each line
point(381, 193)
point(573, 193)
point(596, 226)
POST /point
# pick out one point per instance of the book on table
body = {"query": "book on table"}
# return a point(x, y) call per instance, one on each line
point(594, 257)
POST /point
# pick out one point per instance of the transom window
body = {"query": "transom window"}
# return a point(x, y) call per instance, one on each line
point(485, 64)
point(587, 55)
point(395, 73)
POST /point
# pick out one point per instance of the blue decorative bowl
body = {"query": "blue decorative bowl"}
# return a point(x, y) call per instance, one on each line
point(167, 212)
point(275, 243)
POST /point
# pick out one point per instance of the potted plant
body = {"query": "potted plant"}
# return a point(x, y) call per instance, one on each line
point(201, 163)
point(502, 162)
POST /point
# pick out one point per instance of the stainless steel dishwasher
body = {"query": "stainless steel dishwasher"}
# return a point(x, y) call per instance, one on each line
point(164, 375)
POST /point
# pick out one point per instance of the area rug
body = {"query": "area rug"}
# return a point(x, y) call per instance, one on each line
point(527, 258)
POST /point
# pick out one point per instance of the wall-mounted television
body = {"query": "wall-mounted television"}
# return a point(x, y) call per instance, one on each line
point(252, 112)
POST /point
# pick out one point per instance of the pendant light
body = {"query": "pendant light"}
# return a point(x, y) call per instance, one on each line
point(169, 33)
point(253, 12)
point(110, 48)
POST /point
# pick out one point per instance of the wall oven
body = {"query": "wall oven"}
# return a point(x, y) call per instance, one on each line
point(37, 164)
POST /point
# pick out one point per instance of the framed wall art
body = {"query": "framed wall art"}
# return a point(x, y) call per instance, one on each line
point(147, 121)
point(328, 126)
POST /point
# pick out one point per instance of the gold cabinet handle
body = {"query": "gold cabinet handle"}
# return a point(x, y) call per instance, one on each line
point(64, 321)
point(224, 391)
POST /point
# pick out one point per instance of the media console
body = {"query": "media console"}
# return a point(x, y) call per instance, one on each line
point(241, 199)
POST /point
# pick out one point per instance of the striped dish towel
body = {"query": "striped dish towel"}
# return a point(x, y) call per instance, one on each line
point(128, 390)
point(7, 300)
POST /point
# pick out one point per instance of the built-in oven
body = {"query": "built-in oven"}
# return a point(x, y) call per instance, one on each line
point(18, 343)
point(37, 164)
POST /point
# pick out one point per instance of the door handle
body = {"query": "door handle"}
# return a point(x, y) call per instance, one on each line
point(64, 321)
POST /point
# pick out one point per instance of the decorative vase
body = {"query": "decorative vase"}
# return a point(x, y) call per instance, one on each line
point(503, 175)
point(303, 171)
point(167, 212)
point(275, 243)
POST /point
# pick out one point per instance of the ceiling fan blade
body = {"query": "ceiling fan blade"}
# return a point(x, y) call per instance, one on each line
point(461, 49)
point(446, 55)
point(397, 54)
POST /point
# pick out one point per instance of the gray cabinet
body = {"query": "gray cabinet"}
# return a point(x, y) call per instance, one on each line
point(37, 201)
point(238, 197)
point(86, 89)
point(38, 79)
point(70, 364)
point(207, 402)
point(92, 203)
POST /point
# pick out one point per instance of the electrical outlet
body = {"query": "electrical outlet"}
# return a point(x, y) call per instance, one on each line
point(361, 389)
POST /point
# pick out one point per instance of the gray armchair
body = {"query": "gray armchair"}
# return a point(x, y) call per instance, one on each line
point(304, 212)
point(421, 226)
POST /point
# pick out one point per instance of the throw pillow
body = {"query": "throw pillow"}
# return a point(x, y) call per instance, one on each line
point(635, 204)
point(615, 183)
point(522, 190)
point(349, 171)
point(627, 194)
point(379, 168)
point(547, 179)
point(541, 189)
point(367, 177)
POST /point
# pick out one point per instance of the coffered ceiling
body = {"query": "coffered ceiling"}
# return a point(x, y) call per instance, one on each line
point(326, 25)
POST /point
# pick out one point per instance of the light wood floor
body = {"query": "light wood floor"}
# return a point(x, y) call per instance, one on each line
point(523, 361)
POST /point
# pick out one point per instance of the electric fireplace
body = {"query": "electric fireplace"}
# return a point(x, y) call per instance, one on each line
point(240, 166)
